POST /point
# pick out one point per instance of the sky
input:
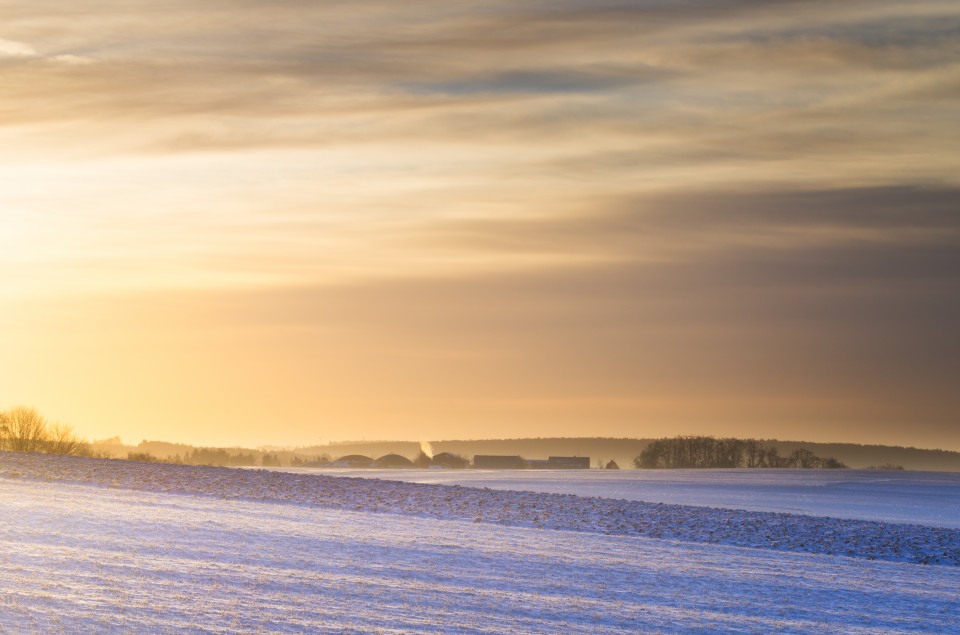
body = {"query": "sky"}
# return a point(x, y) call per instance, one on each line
point(297, 221)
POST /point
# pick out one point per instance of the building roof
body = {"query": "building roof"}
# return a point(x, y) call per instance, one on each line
point(354, 458)
point(494, 461)
point(394, 460)
point(449, 458)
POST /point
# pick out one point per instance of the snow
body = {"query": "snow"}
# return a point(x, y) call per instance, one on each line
point(115, 546)
point(926, 498)
point(787, 532)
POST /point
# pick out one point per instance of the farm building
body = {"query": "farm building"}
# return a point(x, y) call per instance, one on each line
point(570, 462)
point(449, 461)
point(539, 464)
point(354, 460)
point(561, 463)
point(495, 462)
point(394, 460)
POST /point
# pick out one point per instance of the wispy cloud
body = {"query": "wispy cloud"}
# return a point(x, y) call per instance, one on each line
point(9, 48)
point(71, 59)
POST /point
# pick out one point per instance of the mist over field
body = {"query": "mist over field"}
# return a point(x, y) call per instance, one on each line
point(600, 450)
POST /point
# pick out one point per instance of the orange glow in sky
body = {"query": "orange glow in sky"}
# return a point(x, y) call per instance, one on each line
point(288, 222)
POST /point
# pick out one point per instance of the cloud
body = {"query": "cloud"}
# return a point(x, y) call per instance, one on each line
point(540, 81)
point(9, 48)
point(76, 60)
point(613, 199)
point(832, 340)
point(690, 226)
point(658, 85)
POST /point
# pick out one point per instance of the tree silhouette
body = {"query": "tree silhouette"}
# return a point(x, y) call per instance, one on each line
point(23, 429)
point(708, 452)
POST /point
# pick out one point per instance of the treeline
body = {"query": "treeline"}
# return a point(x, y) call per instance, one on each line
point(23, 429)
point(709, 452)
point(199, 456)
point(623, 450)
point(228, 457)
point(183, 454)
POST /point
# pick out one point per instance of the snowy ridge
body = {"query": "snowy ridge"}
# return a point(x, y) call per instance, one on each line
point(764, 530)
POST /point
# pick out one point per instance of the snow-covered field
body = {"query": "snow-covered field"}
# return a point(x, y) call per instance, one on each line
point(98, 545)
point(927, 498)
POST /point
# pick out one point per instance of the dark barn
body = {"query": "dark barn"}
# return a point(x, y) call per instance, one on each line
point(561, 463)
point(449, 461)
point(496, 462)
point(394, 460)
point(570, 462)
point(354, 460)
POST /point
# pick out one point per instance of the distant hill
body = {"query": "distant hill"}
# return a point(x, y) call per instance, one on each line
point(599, 449)
point(624, 450)
point(861, 456)
point(621, 450)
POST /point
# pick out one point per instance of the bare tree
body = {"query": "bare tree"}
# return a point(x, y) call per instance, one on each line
point(62, 440)
point(803, 459)
point(708, 452)
point(24, 430)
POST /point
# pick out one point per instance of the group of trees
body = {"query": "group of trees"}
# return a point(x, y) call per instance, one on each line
point(203, 456)
point(23, 429)
point(224, 457)
point(709, 452)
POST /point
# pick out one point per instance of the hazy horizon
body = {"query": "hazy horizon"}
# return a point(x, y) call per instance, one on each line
point(440, 441)
point(239, 223)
